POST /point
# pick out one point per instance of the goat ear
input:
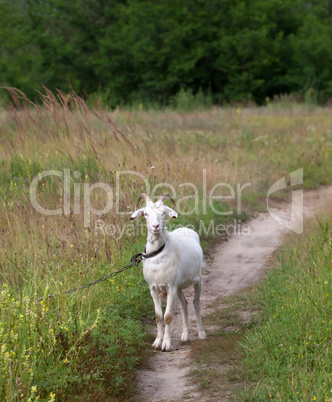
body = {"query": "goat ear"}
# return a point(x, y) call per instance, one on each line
point(137, 214)
point(171, 213)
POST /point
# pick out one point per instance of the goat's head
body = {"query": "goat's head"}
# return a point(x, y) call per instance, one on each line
point(155, 213)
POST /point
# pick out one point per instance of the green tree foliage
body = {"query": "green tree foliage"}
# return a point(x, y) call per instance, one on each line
point(143, 50)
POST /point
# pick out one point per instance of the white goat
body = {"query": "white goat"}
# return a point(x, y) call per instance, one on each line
point(173, 262)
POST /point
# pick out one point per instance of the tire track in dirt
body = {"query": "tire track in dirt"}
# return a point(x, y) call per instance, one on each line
point(236, 264)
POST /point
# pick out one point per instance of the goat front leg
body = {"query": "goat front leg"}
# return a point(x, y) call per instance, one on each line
point(171, 300)
point(159, 319)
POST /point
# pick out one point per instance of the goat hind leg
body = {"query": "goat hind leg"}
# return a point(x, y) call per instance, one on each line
point(184, 311)
point(197, 306)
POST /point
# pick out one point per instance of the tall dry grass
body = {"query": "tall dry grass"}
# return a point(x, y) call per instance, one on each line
point(252, 144)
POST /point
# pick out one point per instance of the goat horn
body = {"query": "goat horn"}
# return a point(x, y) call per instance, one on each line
point(166, 195)
point(143, 195)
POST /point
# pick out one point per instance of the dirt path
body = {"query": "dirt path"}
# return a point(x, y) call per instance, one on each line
point(237, 263)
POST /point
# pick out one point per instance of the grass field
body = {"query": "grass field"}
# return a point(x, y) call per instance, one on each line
point(87, 344)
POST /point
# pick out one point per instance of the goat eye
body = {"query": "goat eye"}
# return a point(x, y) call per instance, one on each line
point(146, 215)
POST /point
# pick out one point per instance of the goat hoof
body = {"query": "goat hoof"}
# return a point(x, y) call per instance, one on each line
point(157, 344)
point(166, 347)
point(202, 335)
point(185, 337)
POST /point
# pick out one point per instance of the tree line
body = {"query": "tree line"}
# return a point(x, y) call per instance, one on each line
point(147, 51)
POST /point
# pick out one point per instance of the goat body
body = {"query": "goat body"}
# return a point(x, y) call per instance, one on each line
point(179, 264)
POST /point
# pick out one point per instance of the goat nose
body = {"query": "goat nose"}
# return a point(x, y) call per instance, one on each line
point(156, 226)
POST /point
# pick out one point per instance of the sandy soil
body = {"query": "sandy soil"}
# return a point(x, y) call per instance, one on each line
point(236, 264)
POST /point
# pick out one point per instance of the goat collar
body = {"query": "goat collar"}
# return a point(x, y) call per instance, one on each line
point(154, 253)
point(137, 258)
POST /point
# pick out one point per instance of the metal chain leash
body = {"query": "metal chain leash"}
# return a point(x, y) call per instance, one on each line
point(135, 260)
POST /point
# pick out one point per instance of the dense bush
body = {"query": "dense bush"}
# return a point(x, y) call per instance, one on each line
point(143, 51)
